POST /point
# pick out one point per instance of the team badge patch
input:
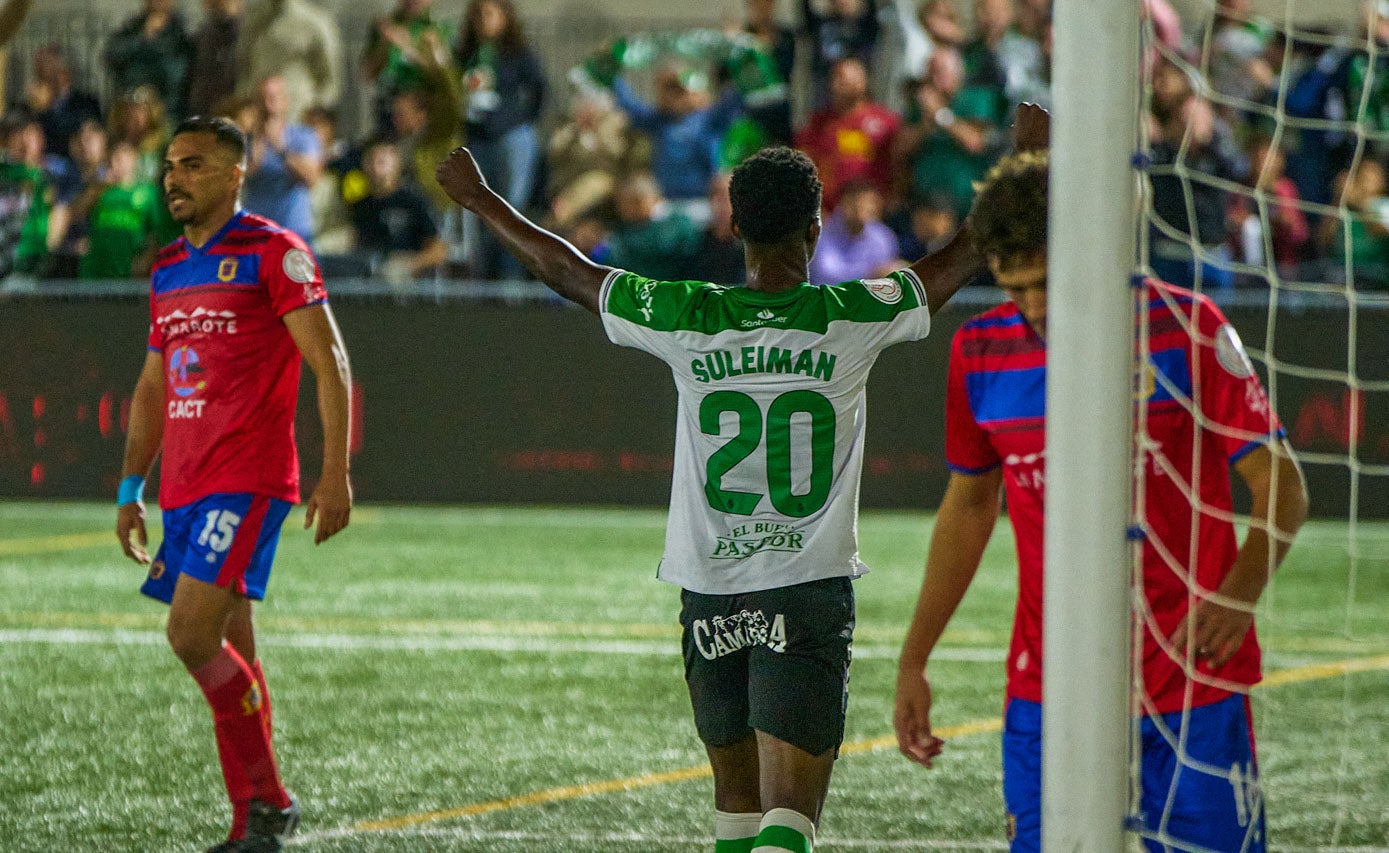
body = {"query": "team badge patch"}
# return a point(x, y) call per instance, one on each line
point(1229, 351)
point(885, 290)
point(157, 570)
point(226, 270)
point(250, 703)
point(299, 266)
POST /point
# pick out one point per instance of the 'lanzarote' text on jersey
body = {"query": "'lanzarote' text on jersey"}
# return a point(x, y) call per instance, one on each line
point(769, 439)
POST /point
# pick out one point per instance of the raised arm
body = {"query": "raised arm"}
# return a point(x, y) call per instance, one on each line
point(946, 270)
point(142, 440)
point(640, 114)
point(316, 334)
point(964, 523)
point(549, 257)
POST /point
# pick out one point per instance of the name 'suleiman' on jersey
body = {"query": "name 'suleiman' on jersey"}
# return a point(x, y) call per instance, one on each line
point(725, 364)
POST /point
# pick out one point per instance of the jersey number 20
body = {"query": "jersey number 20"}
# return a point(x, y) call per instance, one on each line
point(749, 436)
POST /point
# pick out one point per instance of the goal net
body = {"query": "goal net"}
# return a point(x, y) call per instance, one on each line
point(1263, 138)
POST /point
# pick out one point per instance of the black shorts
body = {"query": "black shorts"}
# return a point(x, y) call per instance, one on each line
point(775, 661)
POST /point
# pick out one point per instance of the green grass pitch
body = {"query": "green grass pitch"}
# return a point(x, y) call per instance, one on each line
point(508, 667)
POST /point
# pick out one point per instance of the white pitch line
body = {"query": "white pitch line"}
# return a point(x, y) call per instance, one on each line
point(475, 643)
point(824, 843)
point(503, 642)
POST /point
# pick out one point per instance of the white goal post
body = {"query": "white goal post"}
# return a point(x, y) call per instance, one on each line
point(1090, 319)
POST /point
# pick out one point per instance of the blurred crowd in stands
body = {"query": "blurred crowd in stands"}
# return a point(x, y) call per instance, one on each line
point(635, 173)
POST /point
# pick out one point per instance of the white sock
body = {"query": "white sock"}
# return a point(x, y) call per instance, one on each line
point(788, 819)
point(732, 826)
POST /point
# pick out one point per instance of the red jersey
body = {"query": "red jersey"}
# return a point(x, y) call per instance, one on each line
point(231, 369)
point(852, 146)
point(995, 415)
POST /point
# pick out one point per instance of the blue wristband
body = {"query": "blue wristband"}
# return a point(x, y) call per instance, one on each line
point(131, 491)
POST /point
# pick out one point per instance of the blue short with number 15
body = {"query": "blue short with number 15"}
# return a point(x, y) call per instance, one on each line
point(227, 540)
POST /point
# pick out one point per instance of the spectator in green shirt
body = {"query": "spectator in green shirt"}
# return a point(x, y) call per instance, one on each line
point(395, 47)
point(652, 239)
point(1359, 243)
point(951, 130)
point(121, 215)
point(34, 223)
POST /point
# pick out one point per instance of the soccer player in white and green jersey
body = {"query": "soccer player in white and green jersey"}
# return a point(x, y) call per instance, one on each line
point(762, 534)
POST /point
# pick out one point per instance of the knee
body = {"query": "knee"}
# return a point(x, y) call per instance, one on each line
point(191, 644)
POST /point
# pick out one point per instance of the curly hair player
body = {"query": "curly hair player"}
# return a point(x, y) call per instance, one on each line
point(762, 533)
point(995, 429)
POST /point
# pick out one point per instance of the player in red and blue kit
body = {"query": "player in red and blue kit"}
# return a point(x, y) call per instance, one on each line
point(235, 303)
point(1200, 653)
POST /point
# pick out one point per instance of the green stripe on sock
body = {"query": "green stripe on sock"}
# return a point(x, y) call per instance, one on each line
point(782, 838)
point(734, 845)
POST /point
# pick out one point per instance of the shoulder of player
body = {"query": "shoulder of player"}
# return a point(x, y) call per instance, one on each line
point(1004, 315)
point(171, 254)
point(1167, 300)
point(683, 287)
point(252, 227)
point(874, 294)
point(263, 237)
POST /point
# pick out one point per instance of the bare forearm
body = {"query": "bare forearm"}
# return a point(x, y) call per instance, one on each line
point(1278, 512)
point(145, 432)
point(549, 257)
point(945, 271)
point(335, 412)
point(957, 546)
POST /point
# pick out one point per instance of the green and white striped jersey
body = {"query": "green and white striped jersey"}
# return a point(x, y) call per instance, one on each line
point(769, 439)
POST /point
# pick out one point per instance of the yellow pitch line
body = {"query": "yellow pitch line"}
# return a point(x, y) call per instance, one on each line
point(64, 542)
point(612, 786)
point(78, 541)
point(549, 795)
point(570, 792)
point(1317, 671)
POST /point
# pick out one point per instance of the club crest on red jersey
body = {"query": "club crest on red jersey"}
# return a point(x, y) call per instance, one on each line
point(226, 270)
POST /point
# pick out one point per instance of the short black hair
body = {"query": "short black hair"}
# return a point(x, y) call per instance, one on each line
point(224, 130)
point(775, 195)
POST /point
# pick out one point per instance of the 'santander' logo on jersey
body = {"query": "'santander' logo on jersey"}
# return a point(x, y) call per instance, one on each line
point(748, 539)
point(765, 317)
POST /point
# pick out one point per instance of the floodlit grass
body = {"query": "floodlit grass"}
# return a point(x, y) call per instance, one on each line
point(452, 659)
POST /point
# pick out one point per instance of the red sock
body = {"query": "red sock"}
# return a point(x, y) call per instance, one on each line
point(265, 711)
point(238, 786)
point(231, 690)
